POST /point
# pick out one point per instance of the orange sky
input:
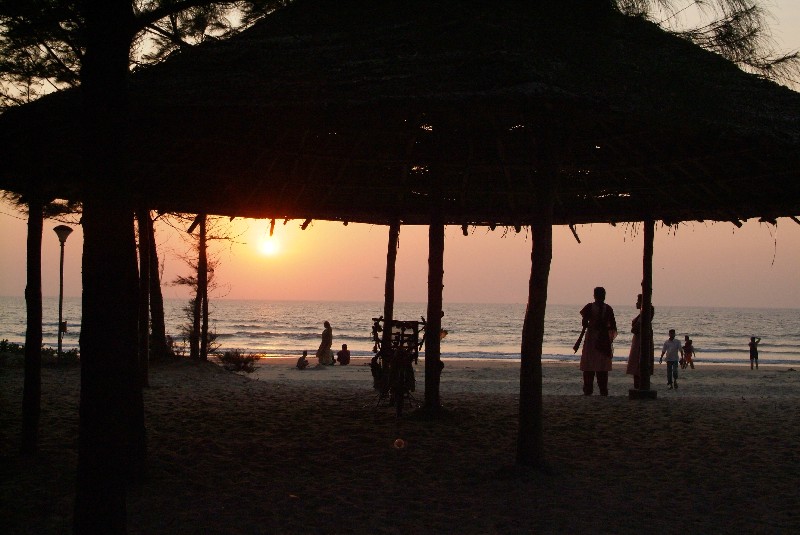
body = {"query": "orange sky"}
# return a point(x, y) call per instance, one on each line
point(697, 264)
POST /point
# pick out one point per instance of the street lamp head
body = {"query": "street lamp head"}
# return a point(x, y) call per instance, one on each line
point(62, 231)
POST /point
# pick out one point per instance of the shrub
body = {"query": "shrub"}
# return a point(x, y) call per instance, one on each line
point(235, 360)
point(11, 347)
point(49, 354)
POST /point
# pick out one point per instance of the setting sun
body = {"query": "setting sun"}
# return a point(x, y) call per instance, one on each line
point(269, 247)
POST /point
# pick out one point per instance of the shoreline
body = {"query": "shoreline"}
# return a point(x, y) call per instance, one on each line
point(361, 360)
point(558, 378)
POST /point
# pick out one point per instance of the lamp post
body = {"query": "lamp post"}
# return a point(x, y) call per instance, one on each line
point(62, 231)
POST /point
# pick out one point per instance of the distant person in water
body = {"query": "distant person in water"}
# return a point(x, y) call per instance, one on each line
point(672, 348)
point(601, 329)
point(324, 353)
point(754, 341)
point(343, 356)
point(302, 362)
point(634, 357)
point(688, 353)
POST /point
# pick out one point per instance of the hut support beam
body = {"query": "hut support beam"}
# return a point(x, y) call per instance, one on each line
point(433, 357)
point(388, 293)
point(530, 444)
point(646, 333)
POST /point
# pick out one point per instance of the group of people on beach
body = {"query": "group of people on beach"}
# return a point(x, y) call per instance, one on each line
point(598, 335)
point(325, 356)
point(599, 332)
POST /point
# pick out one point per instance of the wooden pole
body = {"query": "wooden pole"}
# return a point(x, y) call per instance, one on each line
point(530, 442)
point(530, 439)
point(646, 331)
point(388, 293)
point(433, 356)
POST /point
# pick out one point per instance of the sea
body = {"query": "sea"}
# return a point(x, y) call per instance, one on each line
point(475, 330)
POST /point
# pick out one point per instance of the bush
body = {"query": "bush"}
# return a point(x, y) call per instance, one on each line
point(49, 354)
point(177, 349)
point(235, 360)
point(11, 347)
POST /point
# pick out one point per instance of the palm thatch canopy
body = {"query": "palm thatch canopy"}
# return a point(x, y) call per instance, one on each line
point(363, 110)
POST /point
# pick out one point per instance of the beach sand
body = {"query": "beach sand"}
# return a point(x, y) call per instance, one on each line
point(290, 451)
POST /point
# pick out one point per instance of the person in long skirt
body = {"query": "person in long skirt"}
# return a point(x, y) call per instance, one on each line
point(634, 357)
point(601, 329)
point(688, 352)
point(324, 353)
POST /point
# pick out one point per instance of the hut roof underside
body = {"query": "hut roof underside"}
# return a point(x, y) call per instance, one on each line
point(366, 118)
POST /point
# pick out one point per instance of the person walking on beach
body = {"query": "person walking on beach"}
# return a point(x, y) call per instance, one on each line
point(634, 357)
point(601, 329)
point(343, 356)
point(674, 351)
point(754, 340)
point(324, 353)
point(688, 353)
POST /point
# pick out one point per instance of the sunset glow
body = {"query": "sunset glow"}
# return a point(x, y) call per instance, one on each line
point(269, 246)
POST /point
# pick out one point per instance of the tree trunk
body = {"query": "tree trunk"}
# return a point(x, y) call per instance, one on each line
point(159, 349)
point(433, 356)
point(388, 295)
point(202, 288)
point(32, 389)
point(111, 441)
point(142, 218)
point(194, 335)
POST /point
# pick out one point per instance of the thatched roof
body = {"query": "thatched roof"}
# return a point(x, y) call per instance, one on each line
point(356, 109)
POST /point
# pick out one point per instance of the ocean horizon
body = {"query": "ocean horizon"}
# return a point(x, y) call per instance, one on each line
point(475, 330)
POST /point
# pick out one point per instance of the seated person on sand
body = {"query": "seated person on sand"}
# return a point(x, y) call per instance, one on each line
point(343, 356)
point(302, 362)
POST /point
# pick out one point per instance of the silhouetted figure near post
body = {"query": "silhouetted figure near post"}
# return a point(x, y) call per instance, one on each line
point(634, 357)
point(601, 329)
point(754, 341)
point(324, 353)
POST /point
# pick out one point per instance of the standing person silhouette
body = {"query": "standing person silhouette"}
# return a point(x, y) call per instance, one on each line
point(688, 352)
point(754, 341)
point(634, 357)
point(674, 353)
point(601, 329)
point(324, 353)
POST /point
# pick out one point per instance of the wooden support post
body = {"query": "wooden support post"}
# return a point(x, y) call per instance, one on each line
point(433, 356)
point(388, 294)
point(646, 333)
point(530, 442)
point(530, 439)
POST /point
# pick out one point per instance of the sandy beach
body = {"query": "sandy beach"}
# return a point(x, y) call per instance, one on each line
point(289, 451)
